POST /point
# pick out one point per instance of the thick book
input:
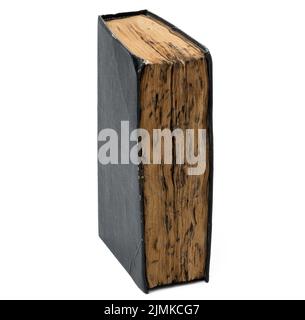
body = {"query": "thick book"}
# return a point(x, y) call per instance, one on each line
point(155, 149)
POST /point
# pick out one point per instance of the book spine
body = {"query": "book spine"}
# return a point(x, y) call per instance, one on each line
point(119, 193)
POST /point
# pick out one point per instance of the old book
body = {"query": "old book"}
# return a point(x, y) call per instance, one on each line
point(154, 215)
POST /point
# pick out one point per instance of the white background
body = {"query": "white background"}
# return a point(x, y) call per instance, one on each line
point(49, 247)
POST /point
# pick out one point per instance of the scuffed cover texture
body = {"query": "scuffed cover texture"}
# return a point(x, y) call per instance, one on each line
point(120, 212)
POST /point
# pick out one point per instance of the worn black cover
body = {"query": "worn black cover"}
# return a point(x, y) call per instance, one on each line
point(120, 205)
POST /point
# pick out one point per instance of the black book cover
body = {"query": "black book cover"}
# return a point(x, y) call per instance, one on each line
point(120, 201)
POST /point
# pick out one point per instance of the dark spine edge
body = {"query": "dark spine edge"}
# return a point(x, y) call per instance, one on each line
point(208, 58)
point(139, 66)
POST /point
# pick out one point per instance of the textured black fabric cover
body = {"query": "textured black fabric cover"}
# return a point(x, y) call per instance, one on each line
point(121, 224)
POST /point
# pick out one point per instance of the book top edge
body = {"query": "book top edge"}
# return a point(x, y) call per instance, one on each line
point(155, 48)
